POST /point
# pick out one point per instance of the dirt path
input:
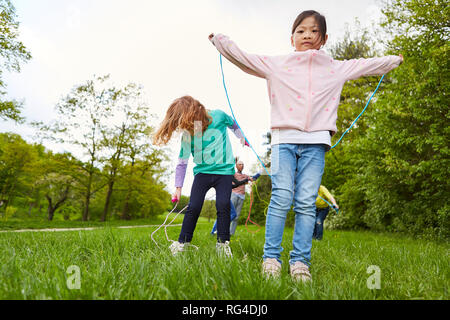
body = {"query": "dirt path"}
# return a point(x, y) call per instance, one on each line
point(84, 229)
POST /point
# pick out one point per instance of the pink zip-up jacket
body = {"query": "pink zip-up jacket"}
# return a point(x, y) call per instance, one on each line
point(304, 87)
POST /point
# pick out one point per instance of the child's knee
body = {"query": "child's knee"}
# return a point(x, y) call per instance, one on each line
point(223, 207)
point(281, 200)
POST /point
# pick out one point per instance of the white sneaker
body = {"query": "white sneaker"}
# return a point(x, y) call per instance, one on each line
point(224, 249)
point(271, 268)
point(300, 272)
point(176, 247)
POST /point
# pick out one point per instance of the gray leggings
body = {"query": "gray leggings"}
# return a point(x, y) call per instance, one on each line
point(237, 202)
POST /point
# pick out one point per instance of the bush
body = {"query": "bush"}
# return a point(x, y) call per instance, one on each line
point(9, 213)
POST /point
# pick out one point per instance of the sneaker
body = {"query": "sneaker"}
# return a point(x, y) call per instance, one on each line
point(300, 272)
point(224, 249)
point(176, 247)
point(271, 268)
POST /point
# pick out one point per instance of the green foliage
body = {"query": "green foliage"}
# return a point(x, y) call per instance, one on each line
point(12, 53)
point(39, 183)
point(9, 212)
point(119, 173)
point(393, 173)
point(407, 149)
point(18, 163)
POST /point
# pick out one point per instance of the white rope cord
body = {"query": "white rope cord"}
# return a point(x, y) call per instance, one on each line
point(170, 224)
point(164, 224)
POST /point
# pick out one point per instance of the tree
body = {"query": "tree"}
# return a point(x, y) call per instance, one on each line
point(139, 192)
point(57, 181)
point(12, 53)
point(407, 151)
point(127, 135)
point(82, 117)
point(143, 163)
point(17, 159)
point(109, 125)
point(394, 177)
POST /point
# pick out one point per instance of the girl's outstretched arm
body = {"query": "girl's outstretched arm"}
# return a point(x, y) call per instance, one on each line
point(260, 66)
point(327, 195)
point(236, 183)
point(357, 68)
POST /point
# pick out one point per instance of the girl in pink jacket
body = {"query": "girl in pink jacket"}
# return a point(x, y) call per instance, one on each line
point(304, 91)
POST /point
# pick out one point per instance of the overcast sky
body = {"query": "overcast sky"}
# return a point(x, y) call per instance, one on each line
point(164, 46)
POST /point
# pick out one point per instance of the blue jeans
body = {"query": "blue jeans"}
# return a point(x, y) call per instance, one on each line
point(297, 171)
point(321, 215)
point(233, 216)
point(237, 202)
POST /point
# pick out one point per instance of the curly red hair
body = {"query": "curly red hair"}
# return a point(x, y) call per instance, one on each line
point(182, 114)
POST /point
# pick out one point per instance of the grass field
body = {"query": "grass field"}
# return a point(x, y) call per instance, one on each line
point(126, 264)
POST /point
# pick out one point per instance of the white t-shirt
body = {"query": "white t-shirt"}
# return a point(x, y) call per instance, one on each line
point(294, 136)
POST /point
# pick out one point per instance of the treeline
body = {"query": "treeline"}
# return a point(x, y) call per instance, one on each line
point(390, 173)
point(118, 172)
point(37, 183)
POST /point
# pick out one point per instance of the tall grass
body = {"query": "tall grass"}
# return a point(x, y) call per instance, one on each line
point(126, 264)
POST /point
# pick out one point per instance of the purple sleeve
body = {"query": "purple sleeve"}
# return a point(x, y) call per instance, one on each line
point(237, 132)
point(180, 172)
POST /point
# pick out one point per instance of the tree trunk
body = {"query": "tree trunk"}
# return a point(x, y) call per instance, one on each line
point(51, 213)
point(30, 208)
point(87, 198)
point(86, 205)
point(108, 199)
point(125, 215)
point(51, 209)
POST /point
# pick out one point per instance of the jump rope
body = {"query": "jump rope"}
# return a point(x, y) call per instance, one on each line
point(262, 163)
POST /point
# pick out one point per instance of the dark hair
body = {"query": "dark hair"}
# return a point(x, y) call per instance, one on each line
point(320, 20)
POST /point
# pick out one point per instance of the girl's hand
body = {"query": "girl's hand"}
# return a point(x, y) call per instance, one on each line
point(211, 36)
point(177, 195)
point(244, 142)
point(401, 56)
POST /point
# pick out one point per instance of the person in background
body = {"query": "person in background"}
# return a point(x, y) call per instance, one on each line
point(322, 209)
point(238, 193)
point(235, 184)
